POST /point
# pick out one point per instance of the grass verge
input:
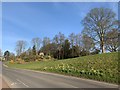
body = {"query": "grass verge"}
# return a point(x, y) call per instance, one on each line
point(101, 67)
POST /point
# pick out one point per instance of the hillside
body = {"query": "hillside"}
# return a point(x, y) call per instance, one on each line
point(102, 67)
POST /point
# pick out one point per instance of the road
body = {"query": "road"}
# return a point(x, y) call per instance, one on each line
point(18, 78)
point(0, 75)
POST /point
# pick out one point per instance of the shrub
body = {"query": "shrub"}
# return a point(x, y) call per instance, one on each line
point(47, 57)
point(12, 61)
point(41, 55)
point(20, 61)
point(26, 59)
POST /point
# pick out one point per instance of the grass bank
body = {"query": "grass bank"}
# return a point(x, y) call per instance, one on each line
point(101, 67)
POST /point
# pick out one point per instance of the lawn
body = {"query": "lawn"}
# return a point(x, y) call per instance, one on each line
point(101, 67)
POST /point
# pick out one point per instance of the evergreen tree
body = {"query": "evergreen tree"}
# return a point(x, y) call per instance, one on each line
point(66, 48)
point(34, 53)
point(6, 55)
point(34, 50)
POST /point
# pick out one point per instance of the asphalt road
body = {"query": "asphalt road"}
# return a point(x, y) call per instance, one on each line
point(0, 75)
point(17, 78)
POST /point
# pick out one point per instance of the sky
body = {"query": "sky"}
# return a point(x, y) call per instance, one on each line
point(27, 20)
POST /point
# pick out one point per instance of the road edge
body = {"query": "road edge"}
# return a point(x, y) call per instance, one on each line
point(73, 77)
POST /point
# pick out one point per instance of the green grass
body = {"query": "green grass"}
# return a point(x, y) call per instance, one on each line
point(101, 67)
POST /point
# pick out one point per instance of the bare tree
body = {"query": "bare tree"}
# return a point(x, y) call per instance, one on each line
point(46, 41)
point(37, 42)
point(78, 39)
point(20, 46)
point(56, 39)
point(112, 40)
point(97, 23)
point(87, 43)
point(59, 39)
point(72, 41)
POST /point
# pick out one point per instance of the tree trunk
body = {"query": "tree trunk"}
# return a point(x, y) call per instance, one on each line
point(102, 46)
point(59, 54)
point(102, 43)
point(103, 49)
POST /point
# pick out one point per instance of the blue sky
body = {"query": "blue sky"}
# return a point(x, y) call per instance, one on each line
point(24, 21)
